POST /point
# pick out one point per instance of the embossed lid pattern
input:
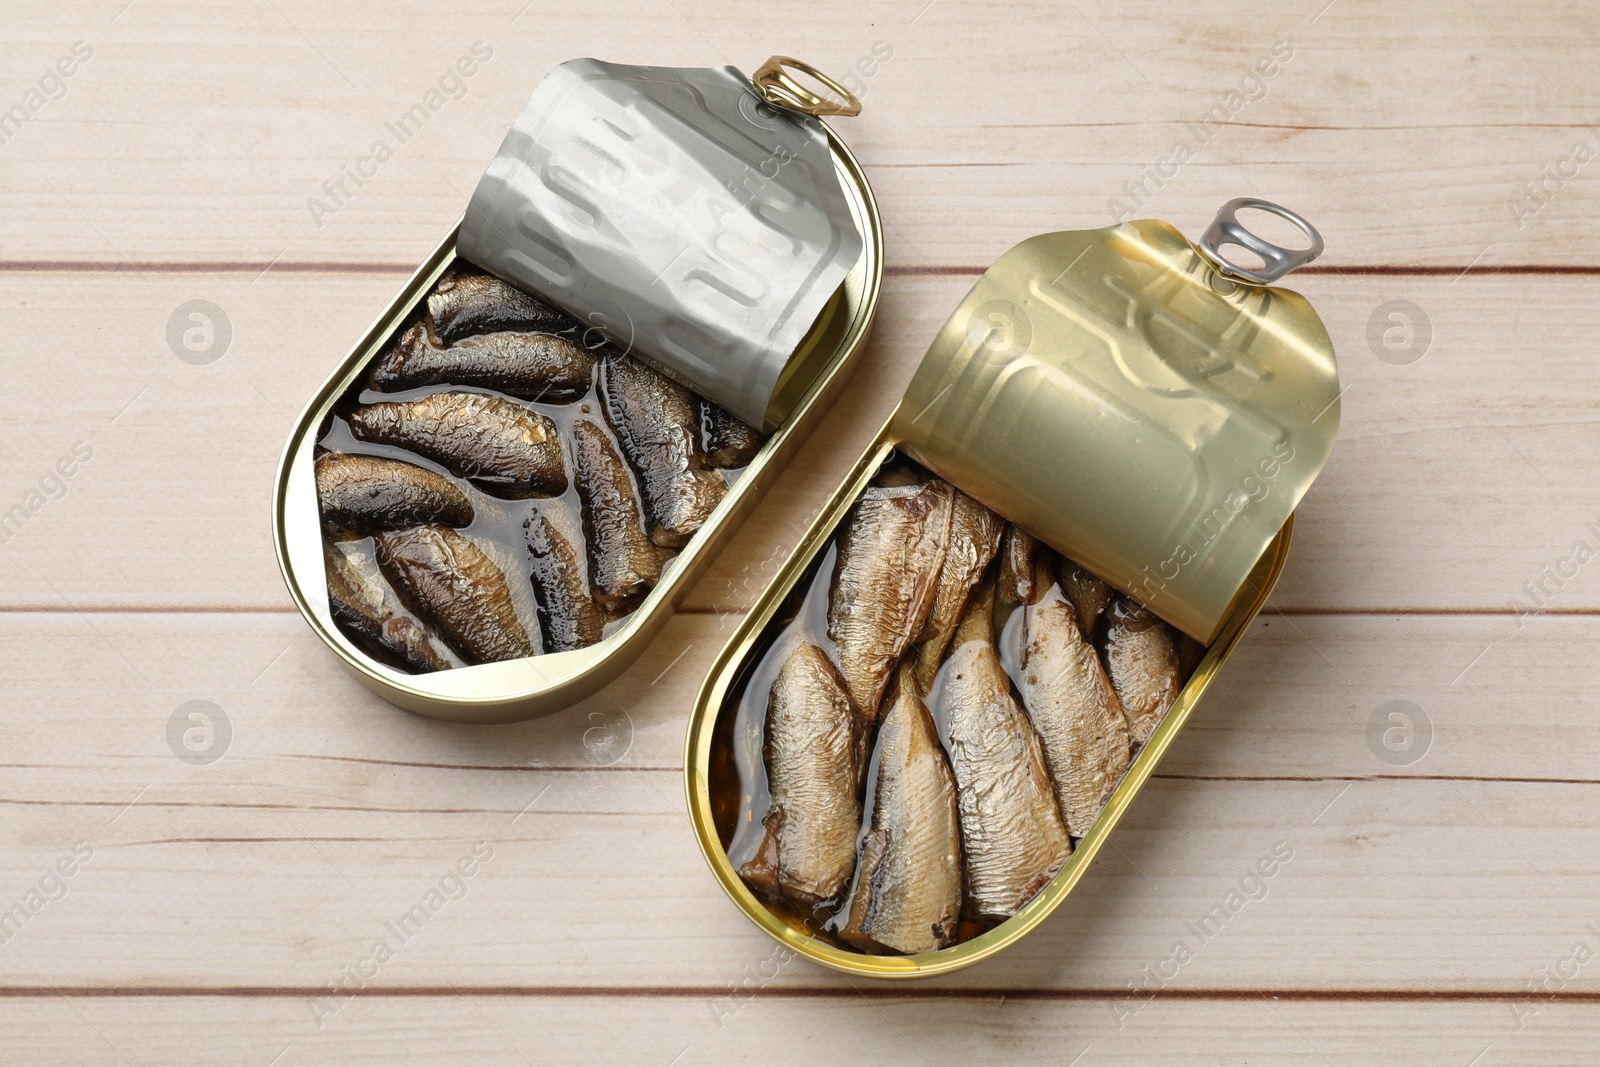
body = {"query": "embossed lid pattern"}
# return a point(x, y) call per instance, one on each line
point(676, 210)
point(1121, 396)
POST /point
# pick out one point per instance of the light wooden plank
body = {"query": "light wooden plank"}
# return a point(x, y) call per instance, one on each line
point(1456, 479)
point(276, 865)
point(705, 1028)
point(1405, 137)
point(1400, 886)
point(94, 694)
point(1424, 900)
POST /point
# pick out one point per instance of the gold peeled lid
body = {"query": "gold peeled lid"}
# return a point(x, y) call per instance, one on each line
point(1146, 406)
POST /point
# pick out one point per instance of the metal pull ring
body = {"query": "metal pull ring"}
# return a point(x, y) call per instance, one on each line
point(1276, 261)
point(780, 89)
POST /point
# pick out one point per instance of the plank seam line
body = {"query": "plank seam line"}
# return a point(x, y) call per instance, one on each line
point(898, 992)
point(1353, 269)
point(709, 610)
point(641, 814)
point(584, 768)
point(143, 609)
point(225, 266)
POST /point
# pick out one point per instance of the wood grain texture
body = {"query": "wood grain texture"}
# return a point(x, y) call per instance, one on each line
point(1454, 481)
point(1292, 704)
point(715, 1025)
point(356, 810)
point(1434, 906)
point(1404, 134)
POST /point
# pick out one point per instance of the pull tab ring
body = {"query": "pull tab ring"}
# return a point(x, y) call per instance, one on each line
point(780, 89)
point(1276, 261)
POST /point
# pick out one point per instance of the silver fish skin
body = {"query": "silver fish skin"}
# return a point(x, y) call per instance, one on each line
point(361, 494)
point(1088, 593)
point(884, 582)
point(657, 422)
point(624, 563)
point(808, 845)
point(533, 366)
point(467, 301)
point(1074, 709)
point(569, 618)
point(503, 447)
point(1011, 830)
point(370, 614)
point(907, 895)
point(447, 580)
point(1142, 654)
point(974, 539)
point(730, 443)
point(1024, 574)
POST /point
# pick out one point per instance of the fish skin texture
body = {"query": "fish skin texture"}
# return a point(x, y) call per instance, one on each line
point(367, 610)
point(1011, 830)
point(884, 581)
point(657, 422)
point(467, 301)
point(362, 494)
point(908, 890)
point(623, 562)
point(1074, 709)
point(1142, 657)
point(505, 448)
point(1088, 594)
point(808, 847)
point(568, 616)
point(974, 539)
point(1023, 570)
point(448, 581)
point(533, 366)
point(731, 442)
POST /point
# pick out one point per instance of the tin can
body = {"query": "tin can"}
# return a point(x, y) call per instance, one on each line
point(811, 378)
point(1143, 405)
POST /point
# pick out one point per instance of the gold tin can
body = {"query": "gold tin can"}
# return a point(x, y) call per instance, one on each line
point(521, 689)
point(1080, 365)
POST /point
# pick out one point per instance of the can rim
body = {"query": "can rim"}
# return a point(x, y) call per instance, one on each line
point(609, 657)
point(709, 707)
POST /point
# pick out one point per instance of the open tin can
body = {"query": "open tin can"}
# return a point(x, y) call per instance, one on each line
point(1145, 407)
point(703, 226)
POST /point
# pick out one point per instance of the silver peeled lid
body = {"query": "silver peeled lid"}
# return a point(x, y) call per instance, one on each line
point(675, 209)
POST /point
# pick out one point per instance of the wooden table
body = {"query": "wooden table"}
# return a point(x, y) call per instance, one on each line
point(1442, 902)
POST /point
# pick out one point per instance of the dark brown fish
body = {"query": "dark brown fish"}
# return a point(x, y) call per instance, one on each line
point(1190, 653)
point(884, 582)
point(908, 891)
point(361, 494)
point(1088, 594)
point(808, 847)
point(974, 539)
point(449, 582)
point(369, 613)
point(467, 301)
point(1024, 574)
point(1074, 708)
point(1141, 652)
point(730, 442)
point(658, 427)
point(568, 615)
point(1011, 830)
point(623, 562)
point(534, 366)
point(499, 445)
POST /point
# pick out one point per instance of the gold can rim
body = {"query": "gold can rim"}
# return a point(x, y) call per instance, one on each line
point(584, 671)
point(710, 706)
